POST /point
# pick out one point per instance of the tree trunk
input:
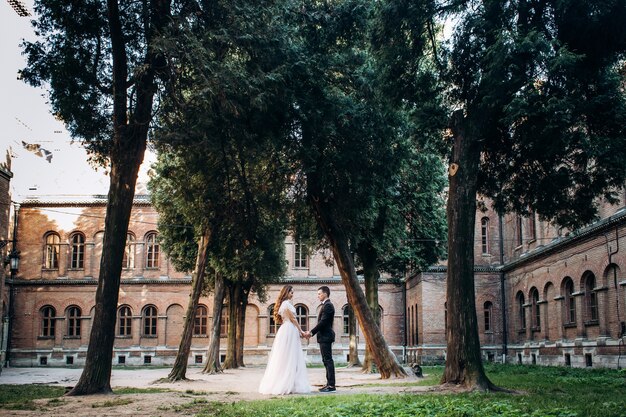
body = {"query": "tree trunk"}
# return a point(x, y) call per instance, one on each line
point(463, 359)
point(127, 152)
point(371, 275)
point(234, 295)
point(354, 360)
point(197, 284)
point(213, 365)
point(241, 326)
point(382, 355)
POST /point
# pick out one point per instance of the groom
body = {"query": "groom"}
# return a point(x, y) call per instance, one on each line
point(325, 336)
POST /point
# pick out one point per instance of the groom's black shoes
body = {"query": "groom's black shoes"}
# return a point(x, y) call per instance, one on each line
point(328, 389)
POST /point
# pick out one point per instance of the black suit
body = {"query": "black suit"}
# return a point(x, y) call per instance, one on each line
point(326, 338)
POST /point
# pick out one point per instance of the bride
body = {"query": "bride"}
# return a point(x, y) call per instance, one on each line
point(286, 371)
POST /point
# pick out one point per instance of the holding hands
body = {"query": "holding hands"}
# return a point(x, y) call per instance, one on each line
point(306, 335)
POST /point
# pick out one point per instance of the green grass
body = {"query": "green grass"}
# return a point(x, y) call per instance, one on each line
point(543, 392)
point(20, 397)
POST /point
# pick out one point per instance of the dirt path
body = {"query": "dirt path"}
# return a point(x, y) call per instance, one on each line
point(232, 385)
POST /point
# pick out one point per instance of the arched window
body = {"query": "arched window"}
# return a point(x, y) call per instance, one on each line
point(570, 301)
point(409, 324)
point(78, 251)
point(53, 247)
point(535, 308)
point(73, 321)
point(520, 237)
point(521, 311)
point(48, 320)
point(488, 315)
point(125, 321)
point(445, 319)
point(224, 322)
point(200, 321)
point(591, 299)
point(484, 234)
point(149, 319)
point(302, 316)
point(300, 255)
point(415, 327)
point(152, 251)
point(273, 327)
point(129, 252)
point(345, 315)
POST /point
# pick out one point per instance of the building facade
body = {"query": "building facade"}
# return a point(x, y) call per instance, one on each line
point(543, 295)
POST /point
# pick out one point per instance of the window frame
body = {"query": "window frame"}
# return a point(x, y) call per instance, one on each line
point(591, 300)
point(73, 316)
point(272, 326)
point(47, 322)
point(128, 261)
point(149, 322)
point(300, 256)
point(302, 317)
point(77, 251)
point(124, 321)
point(484, 235)
point(535, 316)
point(153, 251)
point(201, 321)
point(570, 302)
point(488, 316)
point(52, 250)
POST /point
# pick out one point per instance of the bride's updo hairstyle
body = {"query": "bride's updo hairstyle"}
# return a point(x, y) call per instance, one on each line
point(282, 296)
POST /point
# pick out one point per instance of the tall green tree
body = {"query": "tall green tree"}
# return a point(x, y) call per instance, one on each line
point(536, 121)
point(101, 65)
point(343, 143)
point(221, 165)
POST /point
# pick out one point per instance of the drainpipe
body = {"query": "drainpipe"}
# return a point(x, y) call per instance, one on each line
point(505, 331)
point(12, 290)
point(406, 327)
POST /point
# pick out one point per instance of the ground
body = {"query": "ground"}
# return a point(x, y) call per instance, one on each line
point(232, 385)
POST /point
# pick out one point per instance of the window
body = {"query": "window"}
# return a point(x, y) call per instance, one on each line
point(415, 327)
point(484, 234)
point(78, 251)
point(533, 226)
point(300, 255)
point(150, 321)
point(48, 319)
point(129, 252)
point(570, 302)
point(200, 321)
point(409, 319)
point(273, 327)
point(445, 319)
point(125, 321)
point(488, 313)
point(302, 317)
point(347, 311)
point(152, 251)
point(53, 245)
point(591, 299)
point(535, 308)
point(521, 311)
point(73, 321)
point(520, 239)
point(224, 322)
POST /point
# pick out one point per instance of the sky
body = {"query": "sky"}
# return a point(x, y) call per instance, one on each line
point(25, 117)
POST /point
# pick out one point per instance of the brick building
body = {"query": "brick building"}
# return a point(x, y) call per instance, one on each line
point(542, 295)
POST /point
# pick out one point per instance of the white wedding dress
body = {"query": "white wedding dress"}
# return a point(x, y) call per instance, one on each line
point(286, 370)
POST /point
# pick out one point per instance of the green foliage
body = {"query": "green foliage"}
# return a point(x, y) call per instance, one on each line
point(540, 85)
point(221, 166)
